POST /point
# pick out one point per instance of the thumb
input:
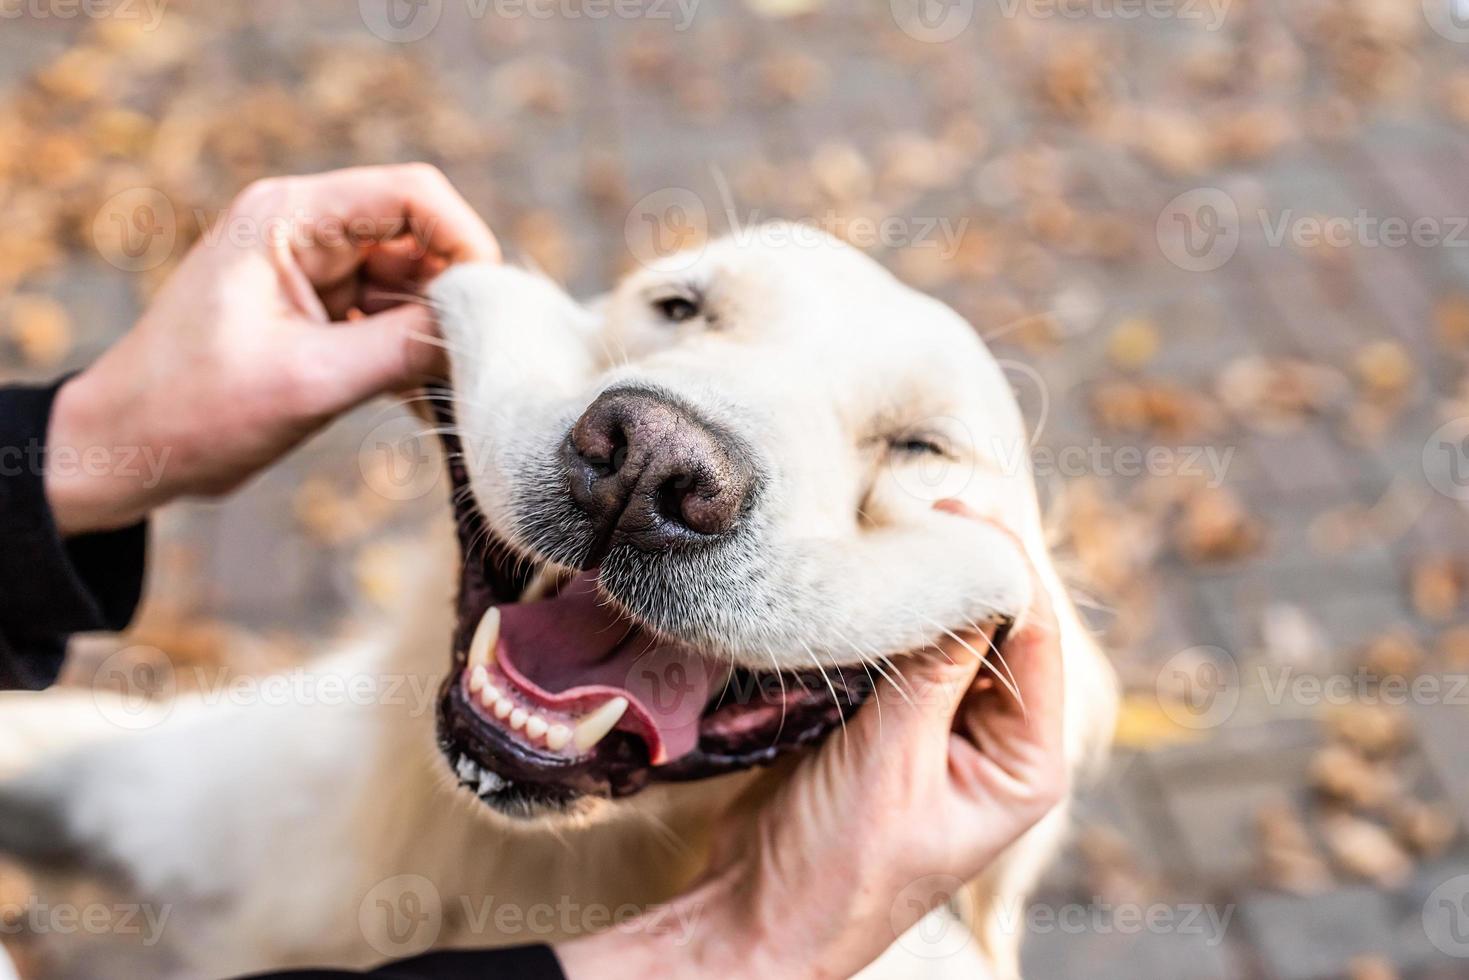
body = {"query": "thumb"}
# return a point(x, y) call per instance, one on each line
point(918, 699)
point(371, 355)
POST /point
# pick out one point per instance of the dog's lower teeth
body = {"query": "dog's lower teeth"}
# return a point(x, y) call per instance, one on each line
point(557, 737)
point(489, 782)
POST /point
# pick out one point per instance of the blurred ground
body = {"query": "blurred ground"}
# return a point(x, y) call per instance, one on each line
point(1281, 580)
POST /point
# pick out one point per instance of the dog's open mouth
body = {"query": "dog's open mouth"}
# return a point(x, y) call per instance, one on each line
point(558, 693)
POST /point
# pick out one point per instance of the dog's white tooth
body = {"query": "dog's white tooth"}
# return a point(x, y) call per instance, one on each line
point(490, 694)
point(478, 678)
point(595, 726)
point(518, 718)
point(557, 736)
point(486, 636)
point(503, 707)
point(536, 726)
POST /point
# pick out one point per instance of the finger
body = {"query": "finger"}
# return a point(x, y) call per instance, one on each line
point(333, 218)
point(1020, 731)
point(1029, 666)
point(375, 354)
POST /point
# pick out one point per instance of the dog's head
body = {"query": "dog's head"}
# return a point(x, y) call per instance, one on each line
point(698, 516)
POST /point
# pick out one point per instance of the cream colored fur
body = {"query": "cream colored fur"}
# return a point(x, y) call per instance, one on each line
point(270, 830)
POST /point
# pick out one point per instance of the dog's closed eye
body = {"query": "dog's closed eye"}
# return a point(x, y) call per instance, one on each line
point(919, 445)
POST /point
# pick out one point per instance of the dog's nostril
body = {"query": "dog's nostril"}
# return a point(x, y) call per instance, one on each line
point(613, 457)
point(678, 501)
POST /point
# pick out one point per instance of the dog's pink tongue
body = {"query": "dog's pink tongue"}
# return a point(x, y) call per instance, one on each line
point(577, 648)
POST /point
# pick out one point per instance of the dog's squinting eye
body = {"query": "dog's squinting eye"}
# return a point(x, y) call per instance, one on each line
point(676, 309)
point(918, 446)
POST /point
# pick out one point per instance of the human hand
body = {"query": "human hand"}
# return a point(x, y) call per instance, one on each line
point(239, 357)
point(937, 779)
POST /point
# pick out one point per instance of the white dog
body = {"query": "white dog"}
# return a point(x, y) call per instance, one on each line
point(695, 519)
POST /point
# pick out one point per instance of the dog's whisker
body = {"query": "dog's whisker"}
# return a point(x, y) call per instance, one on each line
point(829, 685)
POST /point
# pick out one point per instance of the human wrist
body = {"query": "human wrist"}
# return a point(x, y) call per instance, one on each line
point(97, 475)
point(700, 933)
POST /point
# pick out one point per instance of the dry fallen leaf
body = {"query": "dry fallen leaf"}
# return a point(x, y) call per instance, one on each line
point(1426, 828)
point(1133, 343)
point(1143, 723)
point(1214, 526)
point(1371, 967)
point(1436, 585)
point(1365, 850)
point(1277, 394)
point(1393, 653)
point(40, 329)
point(1373, 729)
point(1343, 775)
point(1288, 858)
point(1384, 368)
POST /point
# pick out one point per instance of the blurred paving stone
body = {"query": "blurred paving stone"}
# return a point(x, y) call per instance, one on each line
point(1312, 938)
point(1100, 953)
point(1213, 790)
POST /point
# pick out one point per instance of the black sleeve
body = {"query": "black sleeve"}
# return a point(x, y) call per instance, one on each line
point(512, 963)
point(50, 588)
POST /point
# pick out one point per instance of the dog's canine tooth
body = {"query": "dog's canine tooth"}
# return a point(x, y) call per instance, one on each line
point(541, 585)
point(503, 707)
point(536, 726)
point(479, 677)
point(595, 726)
point(486, 636)
point(557, 737)
point(518, 718)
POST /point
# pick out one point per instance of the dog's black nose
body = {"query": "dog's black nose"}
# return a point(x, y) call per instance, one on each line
point(652, 474)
